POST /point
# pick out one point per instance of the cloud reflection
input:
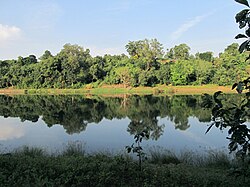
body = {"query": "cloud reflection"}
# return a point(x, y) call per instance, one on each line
point(10, 131)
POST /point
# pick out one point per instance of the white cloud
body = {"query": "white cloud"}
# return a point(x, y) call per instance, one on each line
point(9, 32)
point(186, 26)
point(10, 131)
point(195, 137)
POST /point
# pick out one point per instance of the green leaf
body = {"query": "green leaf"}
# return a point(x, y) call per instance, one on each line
point(247, 32)
point(246, 81)
point(242, 24)
point(233, 146)
point(216, 94)
point(244, 2)
point(234, 85)
point(209, 128)
point(243, 46)
point(241, 16)
point(215, 111)
point(240, 87)
point(240, 36)
point(247, 58)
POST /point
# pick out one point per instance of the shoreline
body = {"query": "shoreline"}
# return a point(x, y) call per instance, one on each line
point(74, 167)
point(112, 90)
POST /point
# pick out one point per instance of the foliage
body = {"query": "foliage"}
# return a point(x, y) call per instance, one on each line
point(147, 51)
point(179, 52)
point(182, 72)
point(207, 56)
point(231, 66)
point(234, 116)
point(137, 148)
point(105, 170)
point(76, 148)
point(146, 65)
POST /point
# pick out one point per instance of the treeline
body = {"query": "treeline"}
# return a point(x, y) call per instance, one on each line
point(146, 65)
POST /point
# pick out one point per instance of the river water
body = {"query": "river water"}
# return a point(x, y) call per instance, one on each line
point(107, 124)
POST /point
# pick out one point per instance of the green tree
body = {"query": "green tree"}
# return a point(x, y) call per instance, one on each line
point(206, 56)
point(234, 115)
point(203, 71)
point(146, 52)
point(31, 59)
point(164, 73)
point(179, 52)
point(5, 76)
point(124, 76)
point(96, 69)
point(111, 63)
point(75, 63)
point(230, 66)
point(182, 72)
point(47, 54)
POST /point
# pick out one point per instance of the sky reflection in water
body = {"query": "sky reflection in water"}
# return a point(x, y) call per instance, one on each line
point(108, 135)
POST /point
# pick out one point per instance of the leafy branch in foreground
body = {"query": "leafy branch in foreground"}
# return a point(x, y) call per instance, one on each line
point(137, 148)
point(234, 115)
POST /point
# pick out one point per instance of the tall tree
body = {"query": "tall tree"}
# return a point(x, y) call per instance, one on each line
point(230, 67)
point(47, 54)
point(75, 63)
point(182, 72)
point(207, 56)
point(179, 52)
point(147, 51)
point(234, 115)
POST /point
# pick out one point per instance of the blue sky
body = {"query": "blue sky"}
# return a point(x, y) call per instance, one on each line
point(106, 26)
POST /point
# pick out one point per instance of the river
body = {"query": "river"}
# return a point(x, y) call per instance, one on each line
point(107, 124)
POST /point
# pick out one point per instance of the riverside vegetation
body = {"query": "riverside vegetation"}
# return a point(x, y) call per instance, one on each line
point(73, 167)
point(146, 65)
point(31, 166)
point(231, 115)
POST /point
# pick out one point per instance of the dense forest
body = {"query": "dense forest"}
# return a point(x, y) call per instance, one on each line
point(146, 64)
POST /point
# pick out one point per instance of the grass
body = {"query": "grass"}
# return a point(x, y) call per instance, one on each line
point(73, 167)
point(160, 156)
point(29, 151)
point(119, 89)
point(74, 149)
point(212, 158)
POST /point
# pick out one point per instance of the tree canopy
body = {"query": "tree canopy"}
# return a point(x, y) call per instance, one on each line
point(146, 64)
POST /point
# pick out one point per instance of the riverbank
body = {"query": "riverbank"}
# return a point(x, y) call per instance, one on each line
point(120, 89)
point(33, 167)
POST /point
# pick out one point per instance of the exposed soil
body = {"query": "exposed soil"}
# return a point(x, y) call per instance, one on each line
point(180, 90)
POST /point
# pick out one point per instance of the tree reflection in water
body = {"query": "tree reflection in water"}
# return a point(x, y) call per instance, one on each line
point(75, 112)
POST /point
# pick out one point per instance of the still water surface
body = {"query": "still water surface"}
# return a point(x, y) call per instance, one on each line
point(106, 124)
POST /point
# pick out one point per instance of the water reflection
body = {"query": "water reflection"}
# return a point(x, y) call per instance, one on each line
point(9, 131)
point(74, 113)
point(102, 116)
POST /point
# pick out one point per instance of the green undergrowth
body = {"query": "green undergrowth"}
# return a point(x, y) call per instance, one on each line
point(114, 90)
point(74, 167)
